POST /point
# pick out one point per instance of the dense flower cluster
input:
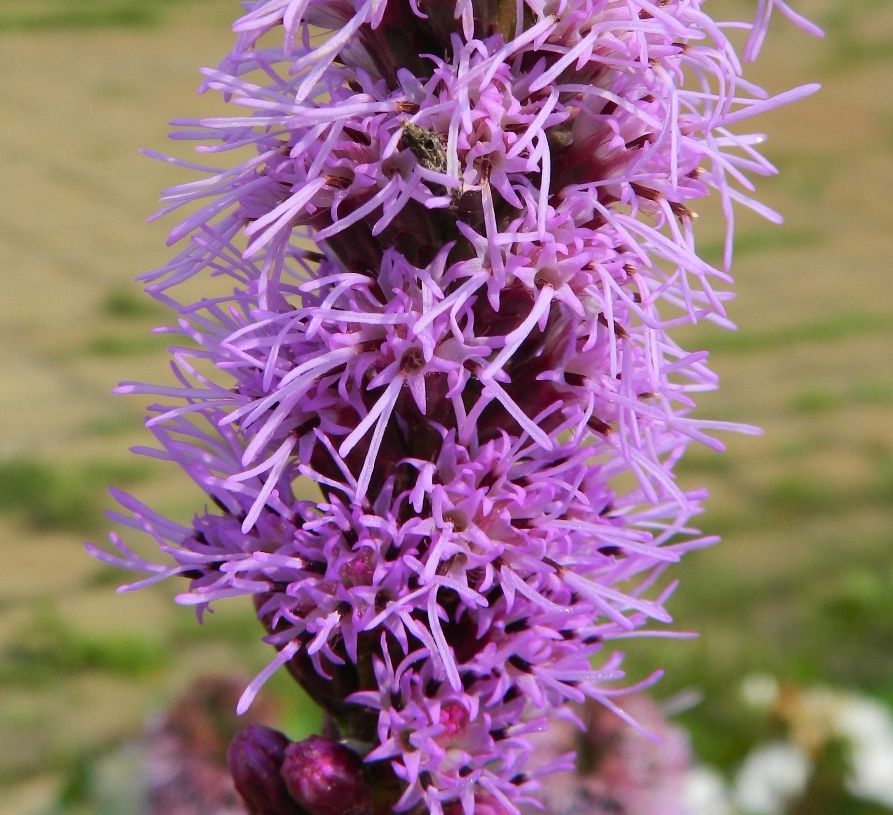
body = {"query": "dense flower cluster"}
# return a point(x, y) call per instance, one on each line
point(452, 257)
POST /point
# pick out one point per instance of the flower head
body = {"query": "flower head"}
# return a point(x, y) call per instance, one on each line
point(455, 253)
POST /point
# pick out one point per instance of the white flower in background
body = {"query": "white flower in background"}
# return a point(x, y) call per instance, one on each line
point(771, 777)
point(759, 690)
point(868, 726)
point(814, 717)
point(706, 793)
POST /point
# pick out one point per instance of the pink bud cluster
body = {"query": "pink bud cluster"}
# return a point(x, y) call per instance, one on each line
point(315, 776)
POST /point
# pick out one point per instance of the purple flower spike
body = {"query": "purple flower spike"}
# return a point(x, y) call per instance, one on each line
point(255, 757)
point(434, 398)
point(326, 778)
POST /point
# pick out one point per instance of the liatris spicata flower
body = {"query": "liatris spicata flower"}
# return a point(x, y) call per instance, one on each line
point(450, 263)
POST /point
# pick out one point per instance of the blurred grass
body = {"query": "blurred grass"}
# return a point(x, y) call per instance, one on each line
point(67, 497)
point(129, 304)
point(824, 329)
point(853, 44)
point(766, 239)
point(129, 317)
point(126, 345)
point(48, 647)
point(56, 15)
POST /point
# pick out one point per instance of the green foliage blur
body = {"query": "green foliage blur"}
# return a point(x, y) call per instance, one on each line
point(56, 15)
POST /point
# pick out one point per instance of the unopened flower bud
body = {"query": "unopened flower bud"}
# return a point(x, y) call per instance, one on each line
point(255, 757)
point(326, 778)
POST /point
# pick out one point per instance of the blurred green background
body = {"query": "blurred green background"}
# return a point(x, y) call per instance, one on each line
point(802, 585)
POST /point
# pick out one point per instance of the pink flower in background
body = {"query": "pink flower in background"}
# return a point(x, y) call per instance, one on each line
point(444, 279)
point(619, 768)
point(183, 752)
